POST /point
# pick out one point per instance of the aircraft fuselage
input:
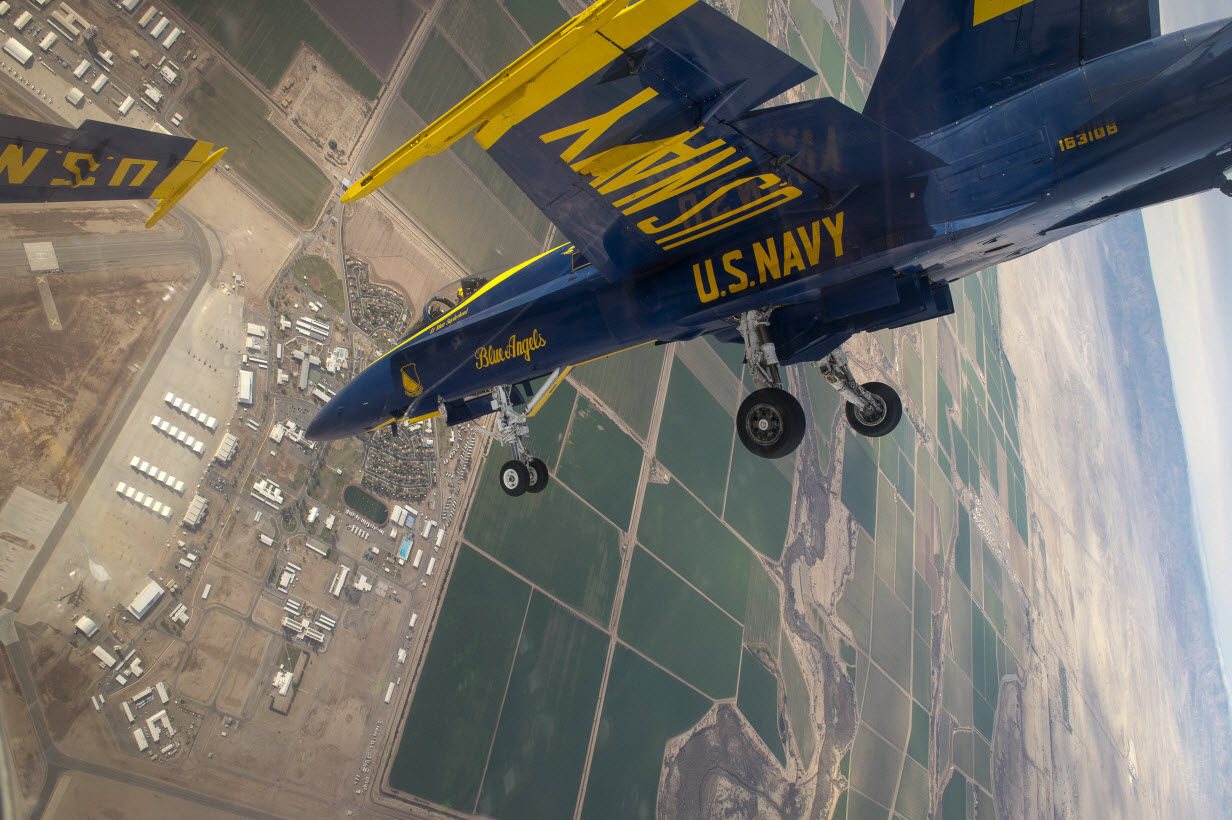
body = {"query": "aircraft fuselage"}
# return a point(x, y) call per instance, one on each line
point(1140, 126)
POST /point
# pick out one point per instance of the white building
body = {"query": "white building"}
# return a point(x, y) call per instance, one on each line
point(86, 626)
point(104, 657)
point(243, 392)
point(145, 600)
point(19, 52)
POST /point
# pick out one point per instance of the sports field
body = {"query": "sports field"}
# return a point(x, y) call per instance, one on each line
point(225, 111)
point(263, 38)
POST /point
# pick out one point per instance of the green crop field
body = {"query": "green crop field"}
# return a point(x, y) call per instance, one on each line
point(758, 502)
point(873, 765)
point(675, 626)
point(540, 745)
point(695, 437)
point(626, 382)
point(762, 612)
point(675, 527)
point(643, 707)
point(453, 716)
point(263, 38)
point(886, 708)
point(859, 493)
point(798, 701)
point(601, 463)
point(363, 503)
point(552, 539)
point(912, 801)
point(548, 427)
point(450, 201)
point(891, 647)
point(538, 18)
point(226, 112)
point(758, 700)
point(318, 275)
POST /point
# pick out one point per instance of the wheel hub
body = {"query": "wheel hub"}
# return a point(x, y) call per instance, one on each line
point(765, 424)
point(874, 411)
point(510, 479)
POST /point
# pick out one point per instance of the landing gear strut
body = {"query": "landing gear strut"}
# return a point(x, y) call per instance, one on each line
point(770, 421)
point(523, 473)
point(873, 409)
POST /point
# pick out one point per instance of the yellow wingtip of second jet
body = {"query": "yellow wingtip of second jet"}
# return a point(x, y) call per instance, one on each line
point(168, 201)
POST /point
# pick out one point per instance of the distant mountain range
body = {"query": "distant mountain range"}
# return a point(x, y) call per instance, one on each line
point(1150, 407)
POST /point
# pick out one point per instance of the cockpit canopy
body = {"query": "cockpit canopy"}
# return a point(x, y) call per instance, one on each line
point(446, 299)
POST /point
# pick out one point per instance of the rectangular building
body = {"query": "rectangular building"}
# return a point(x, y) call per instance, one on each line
point(431, 566)
point(139, 736)
point(159, 28)
point(147, 16)
point(244, 391)
point(104, 656)
point(389, 693)
point(19, 52)
point(145, 600)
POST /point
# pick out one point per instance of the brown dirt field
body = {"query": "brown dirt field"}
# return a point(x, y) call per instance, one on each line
point(244, 667)
point(19, 103)
point(83, 795)
point(25, 222)
point(230, 589)
point(394, 259)
point(312, 585)
point(209, 655)
point(268, 614)
point(28, 763)
point(64, 676)
point(323, 106)
point(239, 550)
point(57, 391)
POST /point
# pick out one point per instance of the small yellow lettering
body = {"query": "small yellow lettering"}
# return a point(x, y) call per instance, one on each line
point(767, 261)
point(708, 290)
point(835, 228)
point(812, 244)
point(72, 162)
point(729, 264)
point(143, 166)
point(1082, 139)
point(1099, 132)
point(791, 254)
point(1070, 143)
point(1112, 128)
point(16, 166)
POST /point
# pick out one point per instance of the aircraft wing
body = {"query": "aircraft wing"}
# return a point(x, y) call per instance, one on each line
point(98, 161)
point(949, 58)
point(632, 129)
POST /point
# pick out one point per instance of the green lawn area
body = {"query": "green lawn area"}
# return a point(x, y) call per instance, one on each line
point(360, 500)
point(601, 463)
point(758, 700)
point(226, 112)
point(674, 626)
point(318, 275)
point(449, 727)
point(540, 746)
point(643, 707)
point(675, 527)
point(263, 37)
point(342, 463)
point(551, 538)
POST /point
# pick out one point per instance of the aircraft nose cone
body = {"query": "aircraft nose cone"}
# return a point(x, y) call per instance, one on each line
point(330, 423)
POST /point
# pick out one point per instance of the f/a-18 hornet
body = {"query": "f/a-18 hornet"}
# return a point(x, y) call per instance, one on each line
point(993, 127)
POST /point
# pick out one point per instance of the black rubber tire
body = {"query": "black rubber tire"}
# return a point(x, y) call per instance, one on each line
point(514, 478)
point(539, 476)
point(887, 423)
point(770, 423)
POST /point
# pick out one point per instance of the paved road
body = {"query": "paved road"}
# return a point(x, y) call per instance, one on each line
point(82, 252)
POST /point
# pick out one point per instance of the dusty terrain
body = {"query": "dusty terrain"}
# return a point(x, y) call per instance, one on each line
point(320, 103)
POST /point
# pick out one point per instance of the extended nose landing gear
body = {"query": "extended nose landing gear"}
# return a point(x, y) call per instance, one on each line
point(873, 409)
point(770, 421)
point(523, 473)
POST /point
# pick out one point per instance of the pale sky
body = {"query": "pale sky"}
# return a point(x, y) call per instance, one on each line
point(1191, 247)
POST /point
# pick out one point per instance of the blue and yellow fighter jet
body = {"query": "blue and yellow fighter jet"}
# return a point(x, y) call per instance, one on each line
point(993, 128)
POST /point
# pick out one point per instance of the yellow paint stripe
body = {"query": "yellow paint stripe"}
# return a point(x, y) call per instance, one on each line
point(167, 201)
point(613, 353)
point(487, 287)
point(985, 10)
point(391, 420)
point(569, 55)
point(559, 381)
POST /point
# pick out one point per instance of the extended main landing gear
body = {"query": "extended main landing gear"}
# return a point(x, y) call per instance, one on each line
point(770, 421)
point(873, 409)
point(523, 473)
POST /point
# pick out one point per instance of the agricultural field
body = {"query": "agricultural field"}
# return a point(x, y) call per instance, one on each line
point(758, 700)
point(695, 440)
point(595, 439)
point(626, 382)
point(673, 625)
point(226, 112)
point(378, 34)
point(263, 38)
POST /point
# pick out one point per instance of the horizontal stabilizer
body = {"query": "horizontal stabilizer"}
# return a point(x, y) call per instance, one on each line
point(98, 161)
